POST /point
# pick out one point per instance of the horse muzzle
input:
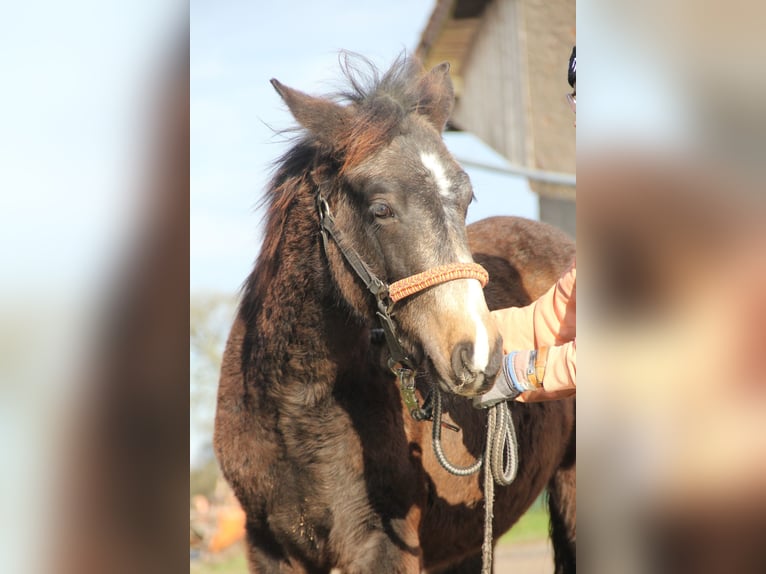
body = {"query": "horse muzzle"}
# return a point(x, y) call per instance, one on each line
point(469, 377)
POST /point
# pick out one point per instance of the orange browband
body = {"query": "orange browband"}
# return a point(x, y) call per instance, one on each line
point(441, 274)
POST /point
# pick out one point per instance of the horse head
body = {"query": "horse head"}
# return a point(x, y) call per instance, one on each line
point(399, 199)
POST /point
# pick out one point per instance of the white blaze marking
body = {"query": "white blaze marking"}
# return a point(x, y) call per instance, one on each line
point(432, 164)
point(474, 298)
point(463, 299)
point(481, 342)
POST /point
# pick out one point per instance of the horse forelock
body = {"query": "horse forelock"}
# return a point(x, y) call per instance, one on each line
point(379, 103)
point(376, 105)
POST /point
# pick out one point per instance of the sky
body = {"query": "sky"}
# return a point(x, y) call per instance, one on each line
point(236, 47)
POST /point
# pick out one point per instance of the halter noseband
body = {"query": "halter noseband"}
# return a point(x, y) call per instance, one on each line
point(386, 295)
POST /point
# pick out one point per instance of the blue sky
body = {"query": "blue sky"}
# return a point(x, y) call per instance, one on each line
point(237, 46)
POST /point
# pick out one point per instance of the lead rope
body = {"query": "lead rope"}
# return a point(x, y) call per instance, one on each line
point(502, 456)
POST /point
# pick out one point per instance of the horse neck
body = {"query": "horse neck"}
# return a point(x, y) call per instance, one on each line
point(298, 335)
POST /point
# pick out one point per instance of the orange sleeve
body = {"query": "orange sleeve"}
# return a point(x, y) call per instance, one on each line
point(548, 321)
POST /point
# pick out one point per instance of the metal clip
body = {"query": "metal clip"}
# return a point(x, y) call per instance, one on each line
point(323, 207)
point(407, 386)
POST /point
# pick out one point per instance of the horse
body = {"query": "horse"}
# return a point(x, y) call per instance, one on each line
point(311, 430)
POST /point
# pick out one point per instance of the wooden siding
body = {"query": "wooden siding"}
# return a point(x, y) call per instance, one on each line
point(509, 67)
point(493, 102)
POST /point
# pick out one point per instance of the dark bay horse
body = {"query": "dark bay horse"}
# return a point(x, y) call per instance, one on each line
point(311, 431)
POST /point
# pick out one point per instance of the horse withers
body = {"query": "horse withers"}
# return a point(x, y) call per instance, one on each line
point(311, 430)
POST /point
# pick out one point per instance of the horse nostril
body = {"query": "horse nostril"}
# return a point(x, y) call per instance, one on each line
point(465, 357)
point(462, 361)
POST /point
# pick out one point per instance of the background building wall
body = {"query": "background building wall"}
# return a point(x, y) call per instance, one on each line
point(509, 61)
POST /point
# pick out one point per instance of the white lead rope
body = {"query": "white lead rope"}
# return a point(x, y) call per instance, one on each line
point(501, 454)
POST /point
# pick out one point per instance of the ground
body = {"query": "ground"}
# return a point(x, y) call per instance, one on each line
point(534, 557)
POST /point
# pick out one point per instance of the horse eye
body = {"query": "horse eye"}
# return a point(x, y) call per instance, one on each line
point(381, 210)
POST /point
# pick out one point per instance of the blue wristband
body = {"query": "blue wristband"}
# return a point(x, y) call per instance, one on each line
point(510, 372)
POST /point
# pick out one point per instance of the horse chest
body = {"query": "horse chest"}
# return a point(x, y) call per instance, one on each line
point(342, 467)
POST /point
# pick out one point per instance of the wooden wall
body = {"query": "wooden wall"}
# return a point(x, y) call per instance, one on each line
point(512, 93)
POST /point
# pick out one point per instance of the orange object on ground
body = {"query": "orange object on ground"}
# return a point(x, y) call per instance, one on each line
point(230, 528)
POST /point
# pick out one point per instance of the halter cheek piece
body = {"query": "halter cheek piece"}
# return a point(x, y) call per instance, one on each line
point(387, 295)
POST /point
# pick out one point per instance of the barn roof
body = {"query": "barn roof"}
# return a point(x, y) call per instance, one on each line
point(449, 35)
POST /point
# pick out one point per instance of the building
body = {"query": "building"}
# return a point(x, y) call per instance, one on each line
point(508, 63)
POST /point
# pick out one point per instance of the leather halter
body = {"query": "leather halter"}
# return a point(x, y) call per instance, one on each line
point(386, 295)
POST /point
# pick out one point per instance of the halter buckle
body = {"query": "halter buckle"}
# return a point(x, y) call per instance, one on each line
point(406, 378)
point(323, 207)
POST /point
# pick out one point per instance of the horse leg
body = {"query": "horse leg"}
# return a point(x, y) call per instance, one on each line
point(562, 506)
point(381, 554)
point(262, 563)
point(265, 555)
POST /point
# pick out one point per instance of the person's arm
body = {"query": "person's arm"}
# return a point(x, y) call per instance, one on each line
point(535, 375)
point(539, 343)
point(548, 321)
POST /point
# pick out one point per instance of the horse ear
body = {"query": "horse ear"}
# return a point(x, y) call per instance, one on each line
point(323, 118)
point(436, 95)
